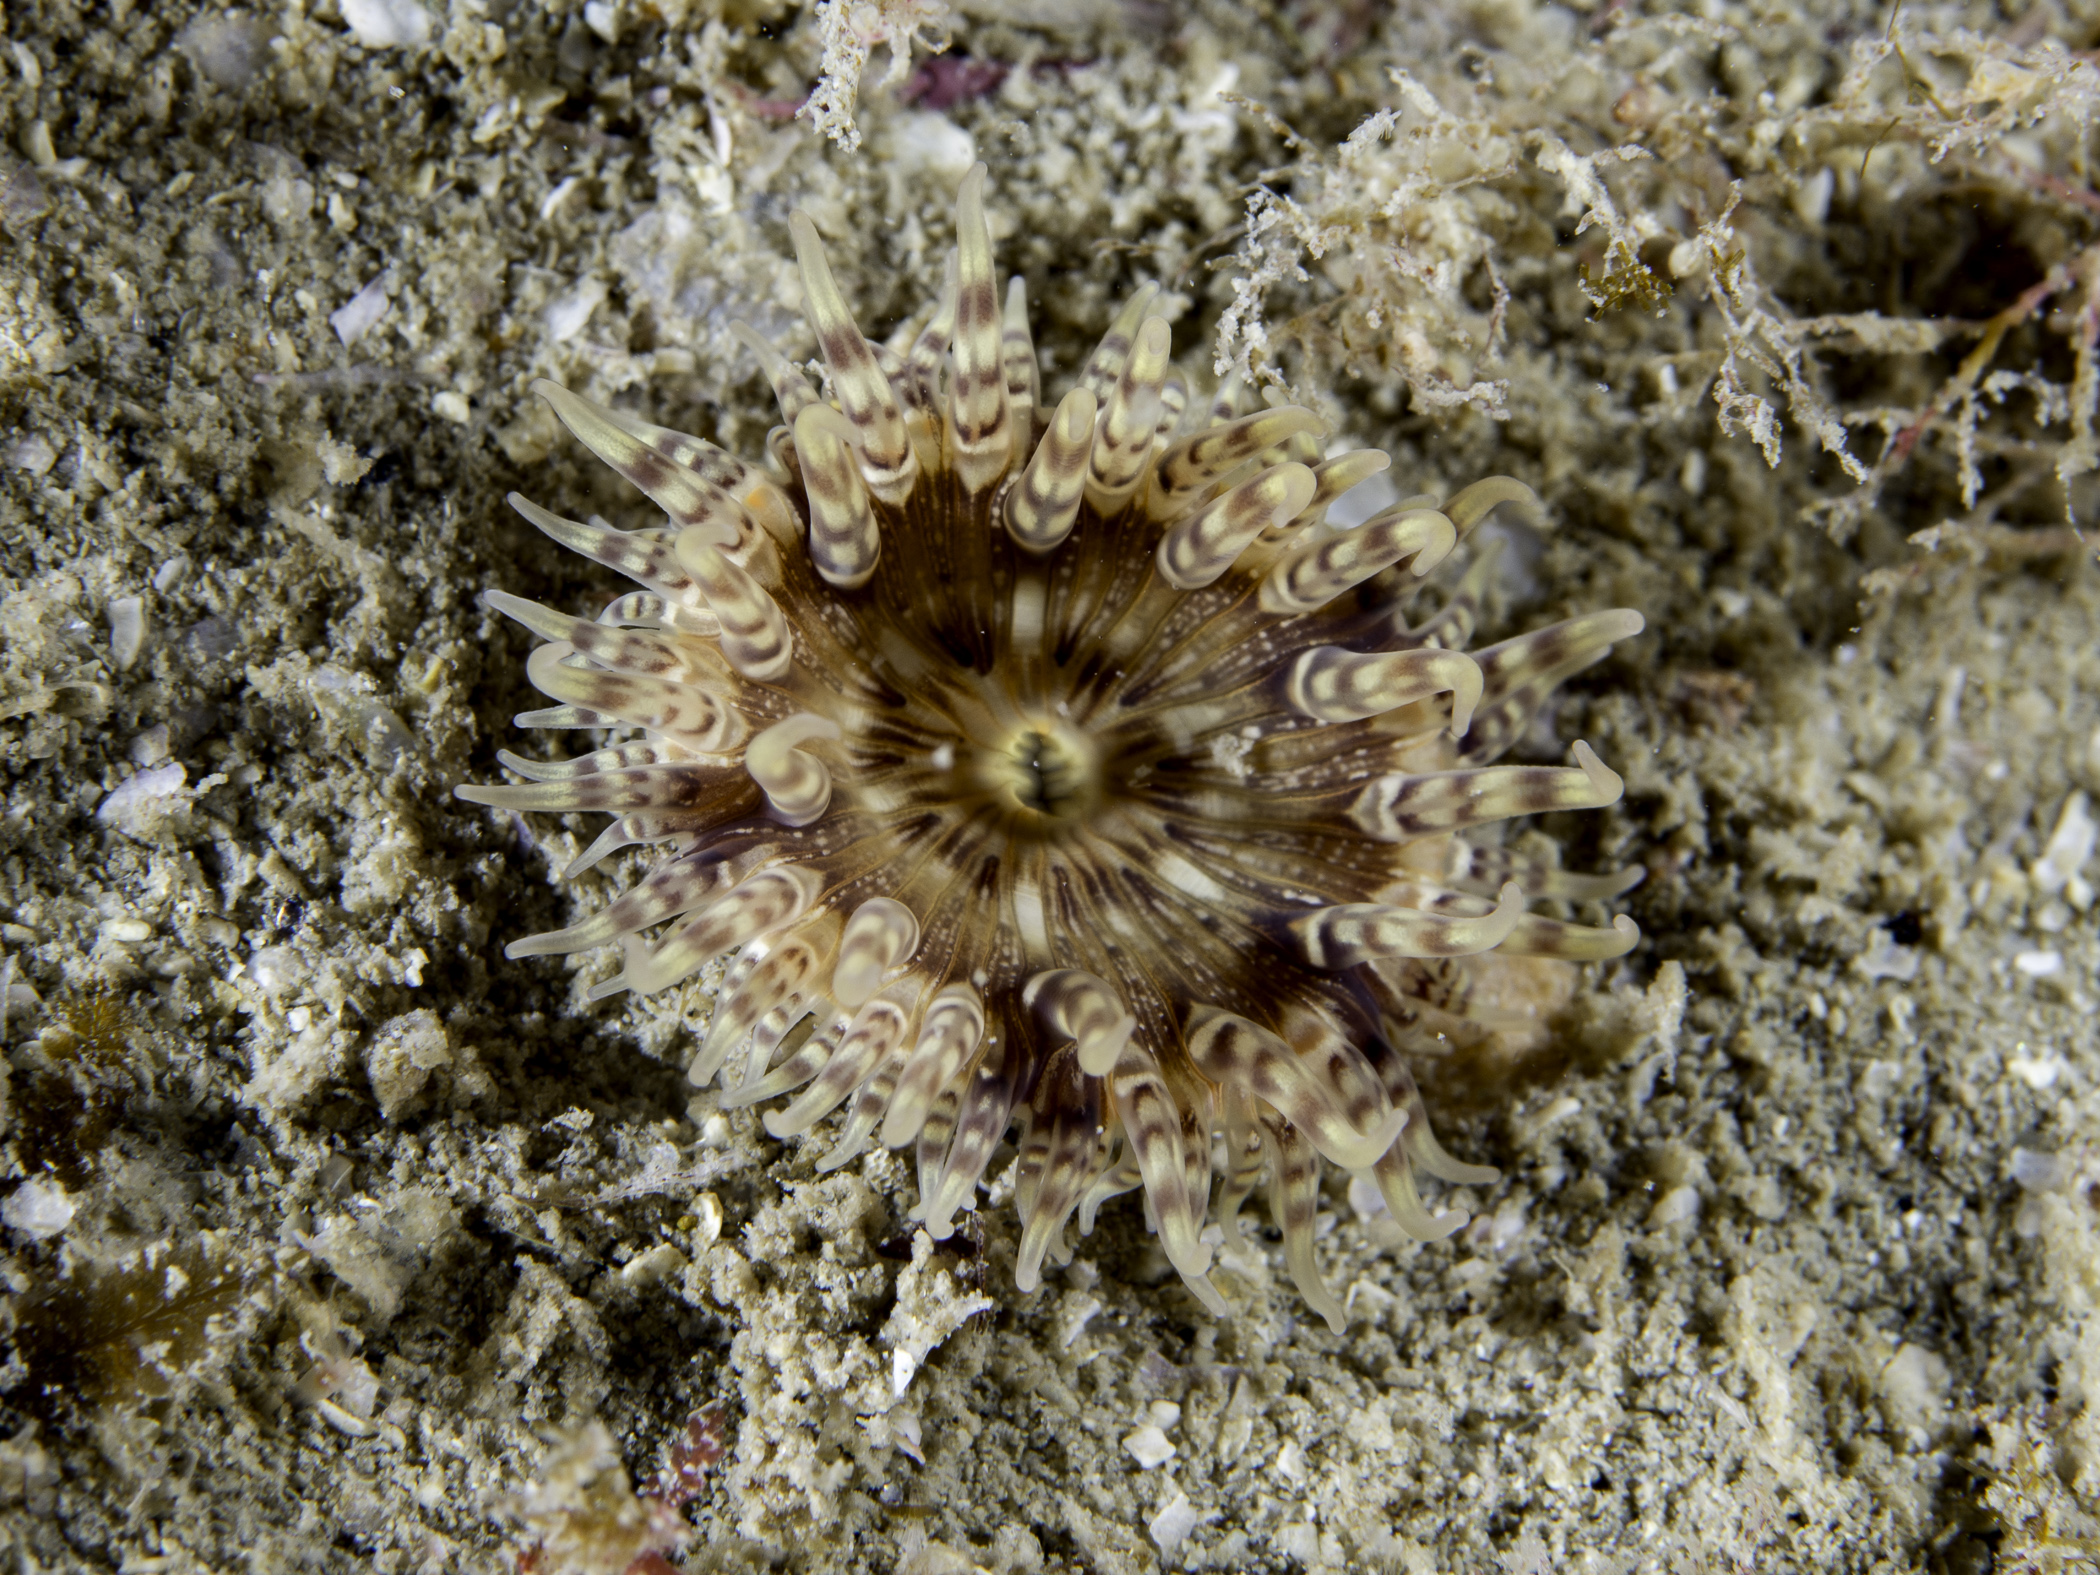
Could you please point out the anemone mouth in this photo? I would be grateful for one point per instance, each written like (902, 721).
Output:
(1057, 772)
(1050, 772)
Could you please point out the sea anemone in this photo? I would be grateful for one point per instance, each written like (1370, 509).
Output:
(1057, 770)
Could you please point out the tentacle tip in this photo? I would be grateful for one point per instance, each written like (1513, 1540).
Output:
(1299, 486)
(1100, 1051)
(1370, 1147)
(1437, 551)
(1465, 696)
(1509, 907)
(741, 1096)
(1310, 420)
(1463, 1175)
(1193, 1261)
(754, 341)
(1443, 1226)
(1610, 786)
(1207, 1294)
(707, 1061)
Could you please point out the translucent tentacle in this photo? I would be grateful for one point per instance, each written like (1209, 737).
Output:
(1042, 505)
(1152, 1127)
(769, 900)
(1105, 365)
(1017, 348)
(1197, 551)
(844, 542)
(755, 635)
(948, 1036)
(981, 424)
(650, 562)
(888, 461)
(1519, 674)
(691, 501)
(980, 1121)
(1060, 1145)
(1294, 1202)
(1330, 684)
(1403, 808)
(769, 972)
(1124, 435)
(1231, 1051)
(790, 387)
(876, 1029)
(1313, 574)
(1350, 933)
(1187, 467)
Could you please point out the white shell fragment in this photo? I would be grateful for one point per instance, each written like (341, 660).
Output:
(38, 1208)
(387, 24)
(131, 801)
(1149, 1447)
(1171, 1526)
(2060, 867)
(568, 312)
(127, 630)
(360, 314)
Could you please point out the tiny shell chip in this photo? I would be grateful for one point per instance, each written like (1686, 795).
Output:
(32, 452)
(361, 313)
(1173, 1523)
(127, 630)
(567, 314)
(387, 24)
(130, 805)
(38, 1209)
(1149, 1447)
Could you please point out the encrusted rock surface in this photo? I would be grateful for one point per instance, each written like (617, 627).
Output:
(333, 1241)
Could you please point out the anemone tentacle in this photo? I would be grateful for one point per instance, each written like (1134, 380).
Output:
(1054, 768)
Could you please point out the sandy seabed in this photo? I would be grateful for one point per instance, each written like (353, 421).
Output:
(334, 1241)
